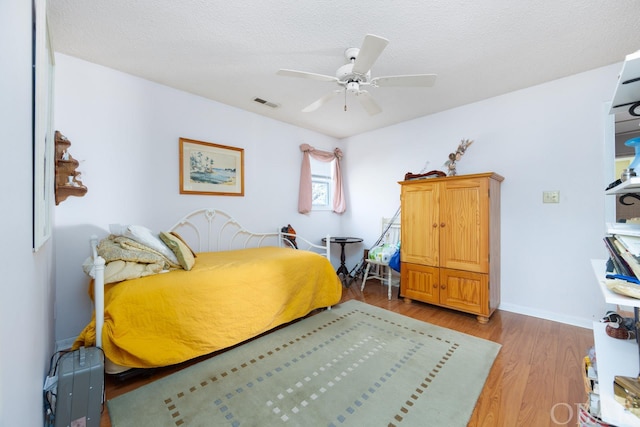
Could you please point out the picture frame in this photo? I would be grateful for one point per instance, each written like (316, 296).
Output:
(211, 169)
(43, 138)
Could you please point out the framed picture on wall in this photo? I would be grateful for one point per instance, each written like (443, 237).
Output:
(213, 169)
(43, 137)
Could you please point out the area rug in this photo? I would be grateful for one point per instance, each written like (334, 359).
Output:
(353, 365)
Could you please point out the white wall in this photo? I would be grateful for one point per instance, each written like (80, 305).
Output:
(548, 137)
(26, 284)
(125, 131)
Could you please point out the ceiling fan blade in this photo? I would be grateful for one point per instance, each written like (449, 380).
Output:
(372, 47)
(307, 75)
(320, 102)
(368, 103)
(409, 80)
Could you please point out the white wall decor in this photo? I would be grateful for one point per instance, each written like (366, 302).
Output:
(43, 144)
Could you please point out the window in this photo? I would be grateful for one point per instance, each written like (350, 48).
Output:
(325, 169)
(321, 185)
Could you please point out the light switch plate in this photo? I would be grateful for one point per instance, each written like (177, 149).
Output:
(550, 197)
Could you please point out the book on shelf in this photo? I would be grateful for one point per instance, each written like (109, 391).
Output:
(631, 260)
(620, 264)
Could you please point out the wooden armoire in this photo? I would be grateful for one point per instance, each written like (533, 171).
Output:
(450, 245)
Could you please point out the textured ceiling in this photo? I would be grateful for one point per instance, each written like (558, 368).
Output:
(230, 51)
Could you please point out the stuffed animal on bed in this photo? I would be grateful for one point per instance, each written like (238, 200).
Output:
(291, 235)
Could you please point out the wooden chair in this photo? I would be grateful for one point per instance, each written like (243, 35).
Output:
(379, 269)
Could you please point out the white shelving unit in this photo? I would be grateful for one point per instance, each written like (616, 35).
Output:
(613, 357)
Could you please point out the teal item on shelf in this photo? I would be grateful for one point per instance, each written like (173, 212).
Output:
(635, 143)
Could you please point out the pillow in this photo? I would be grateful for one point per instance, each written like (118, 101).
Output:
(181, 250)
(143, 235)
(173, 233)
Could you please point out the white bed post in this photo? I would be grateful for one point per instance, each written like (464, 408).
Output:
(98, 289)
(98, 296)
(329, 254)
(329, 247)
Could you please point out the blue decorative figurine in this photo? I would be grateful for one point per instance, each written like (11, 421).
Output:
(635, 143)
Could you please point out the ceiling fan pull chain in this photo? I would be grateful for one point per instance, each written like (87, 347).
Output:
(345, 99)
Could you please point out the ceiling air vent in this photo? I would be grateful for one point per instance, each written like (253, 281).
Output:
(265, 102)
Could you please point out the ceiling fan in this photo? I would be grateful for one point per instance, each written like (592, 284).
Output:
(356, 73)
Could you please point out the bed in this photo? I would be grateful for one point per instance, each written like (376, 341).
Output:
(238, 285)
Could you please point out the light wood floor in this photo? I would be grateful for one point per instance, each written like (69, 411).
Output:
(536, 379)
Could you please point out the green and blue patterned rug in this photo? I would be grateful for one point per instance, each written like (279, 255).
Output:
(354, 365)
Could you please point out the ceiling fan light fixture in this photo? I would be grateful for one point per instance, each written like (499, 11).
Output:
(353, 87)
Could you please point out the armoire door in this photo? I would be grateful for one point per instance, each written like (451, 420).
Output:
(464, 224)
(420, 224)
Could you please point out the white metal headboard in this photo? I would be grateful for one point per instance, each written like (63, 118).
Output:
(211, 230)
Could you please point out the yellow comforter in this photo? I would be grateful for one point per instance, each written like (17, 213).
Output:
(226, 298)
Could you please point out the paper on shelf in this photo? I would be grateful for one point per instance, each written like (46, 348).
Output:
(631, 243)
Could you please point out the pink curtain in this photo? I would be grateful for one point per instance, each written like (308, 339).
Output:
(304, 197)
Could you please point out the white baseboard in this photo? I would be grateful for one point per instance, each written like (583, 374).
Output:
(547, 315)
(64, 344)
